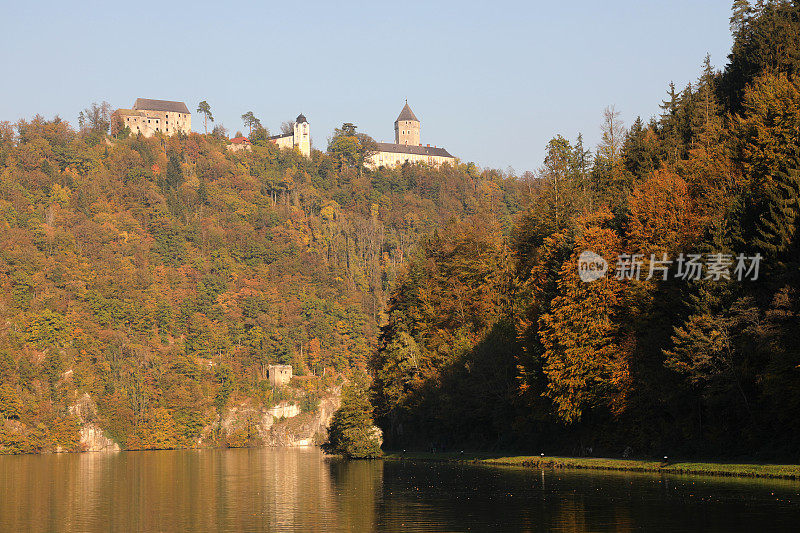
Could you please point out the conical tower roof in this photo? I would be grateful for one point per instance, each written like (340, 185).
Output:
(407, 114)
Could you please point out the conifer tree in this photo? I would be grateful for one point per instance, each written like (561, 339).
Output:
(770, 153)
(582, 158)
(706, 122)
(740, 15)
(640, 150)
(669, 125)
(204, 109)
(352, 432)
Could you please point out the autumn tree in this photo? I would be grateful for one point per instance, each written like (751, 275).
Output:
(96, 118)
(349, 148)
(770, 156)
(663, 216)
(10, 404)
(287, 127)
(584, 363)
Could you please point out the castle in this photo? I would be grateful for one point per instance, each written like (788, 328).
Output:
(149, 117)
(406, 147)
(299, 137)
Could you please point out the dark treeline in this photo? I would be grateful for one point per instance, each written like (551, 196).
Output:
(493, 341)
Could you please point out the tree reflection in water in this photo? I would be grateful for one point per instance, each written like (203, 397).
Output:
(300, 490)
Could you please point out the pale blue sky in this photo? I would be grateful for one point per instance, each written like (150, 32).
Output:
(490, 81)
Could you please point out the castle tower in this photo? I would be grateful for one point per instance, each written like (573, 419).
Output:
(406, 127)
(302, 135)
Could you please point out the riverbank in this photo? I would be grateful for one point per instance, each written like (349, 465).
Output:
(595, 463)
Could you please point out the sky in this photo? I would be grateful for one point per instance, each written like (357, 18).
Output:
(492, 82)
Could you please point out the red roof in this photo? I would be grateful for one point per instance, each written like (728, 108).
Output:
(240, 140)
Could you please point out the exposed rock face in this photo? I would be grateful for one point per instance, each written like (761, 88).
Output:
(245, 425)
(284, 410)
(85, 409)
(92, 437)
(280, 425)
(305, 429)
(94, 440)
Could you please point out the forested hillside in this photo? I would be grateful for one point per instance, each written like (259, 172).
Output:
(162, 276)
(493, 341)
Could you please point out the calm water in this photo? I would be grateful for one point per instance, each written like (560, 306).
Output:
(297, 490)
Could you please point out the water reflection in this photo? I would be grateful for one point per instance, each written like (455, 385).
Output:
(298, 490)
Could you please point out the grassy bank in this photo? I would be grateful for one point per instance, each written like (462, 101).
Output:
(632, 465)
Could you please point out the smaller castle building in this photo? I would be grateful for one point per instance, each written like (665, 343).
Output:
(149, 117)
(237, 144)
(299, 137)
(279, 375)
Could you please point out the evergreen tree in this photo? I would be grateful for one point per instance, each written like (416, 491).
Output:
(706, 122)
(251, 121)
(640, 150)
(582, 158)
(669, 126)
(204, 109)
(770, 155)
(766, 38)
(174, 173)
(740, 16)
(352, 432)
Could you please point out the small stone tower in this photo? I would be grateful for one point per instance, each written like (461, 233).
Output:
(406, 127)
(302, 135)
(279, 374)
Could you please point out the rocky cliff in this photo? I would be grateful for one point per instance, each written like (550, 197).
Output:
(284, 424)
(280, 425)
(92, 437)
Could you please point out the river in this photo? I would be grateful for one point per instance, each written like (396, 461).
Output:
(297, 489)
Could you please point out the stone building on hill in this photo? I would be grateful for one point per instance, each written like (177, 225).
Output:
(149, 117)
(237, 144)
(300, 137)
(279, 374)
(406, 146)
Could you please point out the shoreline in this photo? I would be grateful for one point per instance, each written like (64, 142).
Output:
(721, 469)
(716, 469)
